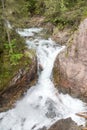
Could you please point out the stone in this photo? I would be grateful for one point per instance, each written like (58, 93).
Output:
(23, 80)
(70, 68)
(44, 128)
(51, 108)
(61, 36)
(65, 124)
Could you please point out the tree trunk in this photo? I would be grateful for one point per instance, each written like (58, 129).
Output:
(6, 26)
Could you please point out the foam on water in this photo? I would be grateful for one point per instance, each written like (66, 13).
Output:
(42, 105)
(28, 32)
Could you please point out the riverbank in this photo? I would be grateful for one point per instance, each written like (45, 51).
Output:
(70, 66)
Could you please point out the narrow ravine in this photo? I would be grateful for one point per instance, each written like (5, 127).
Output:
(42, 105)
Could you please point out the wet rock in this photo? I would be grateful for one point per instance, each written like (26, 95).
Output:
(25, 78)
(50, 104)
(70, 68)
(44, 128)
(33, 127)
(65, 124)
(51, 114)
(40, 67)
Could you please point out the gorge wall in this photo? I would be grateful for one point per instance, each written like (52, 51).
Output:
(70, 68)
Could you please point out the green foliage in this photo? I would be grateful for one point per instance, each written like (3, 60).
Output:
(52, 7)
(9, 62)
(56, 11)
(12, 43)
(62, 12)
(40, 7)
(12, 61)
(31, 5)
(14, 58)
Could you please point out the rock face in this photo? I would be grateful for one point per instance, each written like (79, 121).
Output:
(24, 79)
(65, 124)
(70, 68)
(62, 36)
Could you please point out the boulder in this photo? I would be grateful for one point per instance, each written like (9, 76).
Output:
(70, 68)
(61, 36)
(23, 80)
(65, 124)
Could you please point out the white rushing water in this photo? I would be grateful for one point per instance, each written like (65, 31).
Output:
(42, 105)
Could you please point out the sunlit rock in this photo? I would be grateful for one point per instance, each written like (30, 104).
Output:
(70, 68)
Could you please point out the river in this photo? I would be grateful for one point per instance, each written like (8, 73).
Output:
(42, 105)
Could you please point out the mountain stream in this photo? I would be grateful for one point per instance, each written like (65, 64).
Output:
(42, 105)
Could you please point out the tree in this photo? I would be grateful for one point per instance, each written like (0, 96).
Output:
(6, 26)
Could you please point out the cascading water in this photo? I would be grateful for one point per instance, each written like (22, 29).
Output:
(42, 105)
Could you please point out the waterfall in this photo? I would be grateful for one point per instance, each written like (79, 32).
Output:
(42, 105)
